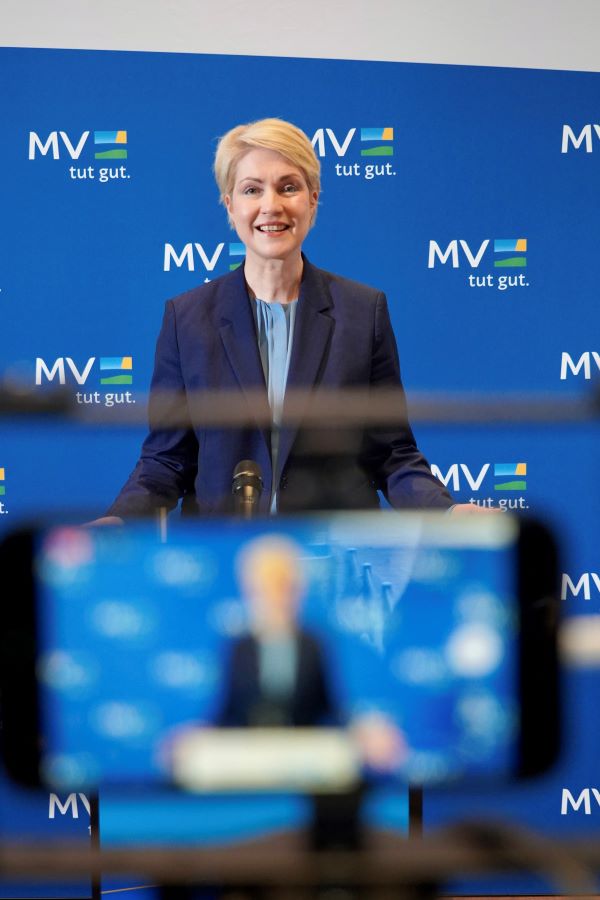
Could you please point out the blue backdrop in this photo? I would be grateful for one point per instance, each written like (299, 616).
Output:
(469, 195)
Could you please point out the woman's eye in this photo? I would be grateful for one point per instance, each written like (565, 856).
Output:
(290, 188)
(250, 190)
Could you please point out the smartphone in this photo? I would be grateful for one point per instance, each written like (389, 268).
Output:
(304, 653)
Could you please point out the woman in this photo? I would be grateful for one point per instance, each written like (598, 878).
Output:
(275, 323)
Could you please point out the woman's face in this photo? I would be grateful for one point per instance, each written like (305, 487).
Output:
(270, 205)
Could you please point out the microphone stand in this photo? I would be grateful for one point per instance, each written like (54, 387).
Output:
(246, 487)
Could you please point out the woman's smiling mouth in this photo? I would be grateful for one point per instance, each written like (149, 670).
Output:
(272, 229)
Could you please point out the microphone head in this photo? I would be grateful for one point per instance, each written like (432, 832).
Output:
(247, 473)
(248, 468)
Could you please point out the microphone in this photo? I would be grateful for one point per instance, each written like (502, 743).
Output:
(246, 487)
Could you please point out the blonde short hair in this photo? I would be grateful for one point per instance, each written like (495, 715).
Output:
(270, 556)
(271, 134)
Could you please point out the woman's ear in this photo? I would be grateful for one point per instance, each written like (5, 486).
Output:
(228, 207)
(314, 203)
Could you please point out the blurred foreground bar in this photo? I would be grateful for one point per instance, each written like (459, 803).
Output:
(322, 408)
(473, 849)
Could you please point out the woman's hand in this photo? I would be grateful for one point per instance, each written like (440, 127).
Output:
(104, 520)
(465, 509)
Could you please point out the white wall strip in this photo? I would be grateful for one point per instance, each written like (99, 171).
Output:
(561, 34)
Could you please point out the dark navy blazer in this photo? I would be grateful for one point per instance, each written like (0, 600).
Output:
(343, 339)
(244, 703)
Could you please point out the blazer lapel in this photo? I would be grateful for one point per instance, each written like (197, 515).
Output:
(238, 334)
(312, 334)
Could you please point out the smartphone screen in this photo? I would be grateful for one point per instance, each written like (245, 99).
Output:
(391, 643)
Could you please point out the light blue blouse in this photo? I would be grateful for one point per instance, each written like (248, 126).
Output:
(278, 661)
(275, 331)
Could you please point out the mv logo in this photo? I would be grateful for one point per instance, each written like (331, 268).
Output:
(437, 254)
(113, 369)
(584, 800)
(324, 136)
(59, 141)
(585, 138)
(507, 476)
(504, 253)
(374, 141)
(193, 253)
(71, 803)
(569, 588)
(453, 476)
(584, 364)
(52, 144)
